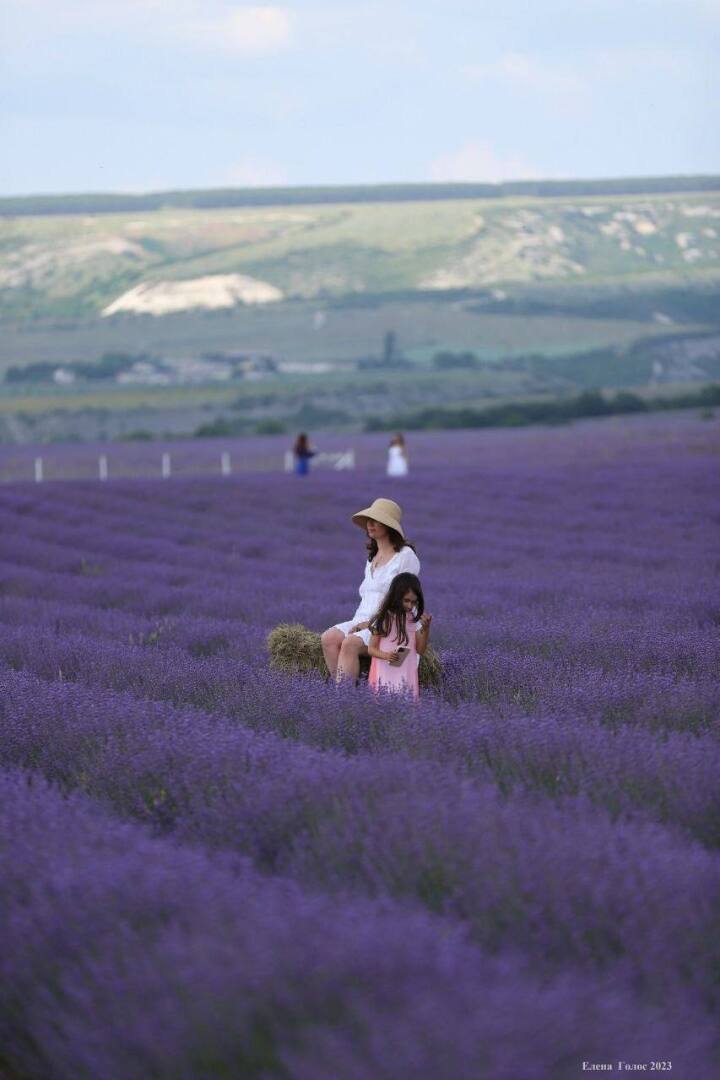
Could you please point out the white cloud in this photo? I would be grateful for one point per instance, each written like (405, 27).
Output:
(572, 87)
(526, 72)
(243, 30)
(479, 162)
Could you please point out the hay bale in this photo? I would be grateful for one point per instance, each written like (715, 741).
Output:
(297, 651)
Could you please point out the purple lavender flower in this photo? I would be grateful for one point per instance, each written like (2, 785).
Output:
(212, 869)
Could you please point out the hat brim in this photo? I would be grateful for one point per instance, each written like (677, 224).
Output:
(361, 519)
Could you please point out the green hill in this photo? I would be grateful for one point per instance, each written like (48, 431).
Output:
(79, 266)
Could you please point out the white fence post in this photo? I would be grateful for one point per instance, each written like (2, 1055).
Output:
(343, 459)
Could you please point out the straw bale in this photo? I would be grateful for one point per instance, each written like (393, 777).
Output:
(295, 649)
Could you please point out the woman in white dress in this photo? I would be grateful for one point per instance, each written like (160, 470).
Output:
(389, 553)
(397, 462)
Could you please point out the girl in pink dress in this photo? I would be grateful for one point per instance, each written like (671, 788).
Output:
(399, 636)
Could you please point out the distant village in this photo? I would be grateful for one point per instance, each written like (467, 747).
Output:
(146, 370)
(681, 358)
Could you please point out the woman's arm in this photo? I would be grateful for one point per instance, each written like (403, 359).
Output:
(422, 636)
(375, 650)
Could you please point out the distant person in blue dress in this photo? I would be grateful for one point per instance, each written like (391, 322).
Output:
(303, 453)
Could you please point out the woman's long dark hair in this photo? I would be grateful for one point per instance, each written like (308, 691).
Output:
(397, 541)
(392, 613)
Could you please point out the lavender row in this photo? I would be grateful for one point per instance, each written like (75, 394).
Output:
(682, 666)
(199, 636)
(170, 674)
(551, 880)
(676, 645)
(219, 971)
(143, 595)
(182, 547)
(672, 780)
(682, 695)
(69, 550)
(535, 578)
(521, 556)
(658, 701)
(502, 509)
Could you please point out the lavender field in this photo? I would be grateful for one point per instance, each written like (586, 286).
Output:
(210, 869)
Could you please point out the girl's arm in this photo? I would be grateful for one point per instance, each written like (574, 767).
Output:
(360, 626)
(375, 650)
(422, 636)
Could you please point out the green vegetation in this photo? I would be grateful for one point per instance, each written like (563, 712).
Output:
(104, 203)
(424, 325)
(270, 427)
(376, 303)
(107, 367)
(643, 300)
(220, 429)
(589, 403)
(495, 251)
(138, 436)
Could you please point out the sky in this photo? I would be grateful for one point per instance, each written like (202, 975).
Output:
(148, 95)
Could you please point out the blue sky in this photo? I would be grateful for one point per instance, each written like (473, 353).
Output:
(138, 95)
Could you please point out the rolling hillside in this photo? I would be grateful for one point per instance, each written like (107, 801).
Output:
(554, 290)
(159, 261)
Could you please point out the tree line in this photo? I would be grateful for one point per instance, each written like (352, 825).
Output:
(589, 403)
(219, 198)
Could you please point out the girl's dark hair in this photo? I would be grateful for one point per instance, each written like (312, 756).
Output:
(397, 541)
(301, 443)
(392, 611)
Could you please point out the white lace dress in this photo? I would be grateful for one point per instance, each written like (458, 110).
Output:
(375, 585)
(397, 464)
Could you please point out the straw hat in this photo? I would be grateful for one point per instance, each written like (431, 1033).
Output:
(385, 511)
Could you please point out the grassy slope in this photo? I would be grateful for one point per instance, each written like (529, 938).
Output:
(74, 265)
(422, 327)
(551, 276)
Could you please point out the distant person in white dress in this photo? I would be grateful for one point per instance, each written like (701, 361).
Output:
(397, 462)
(389, 554)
